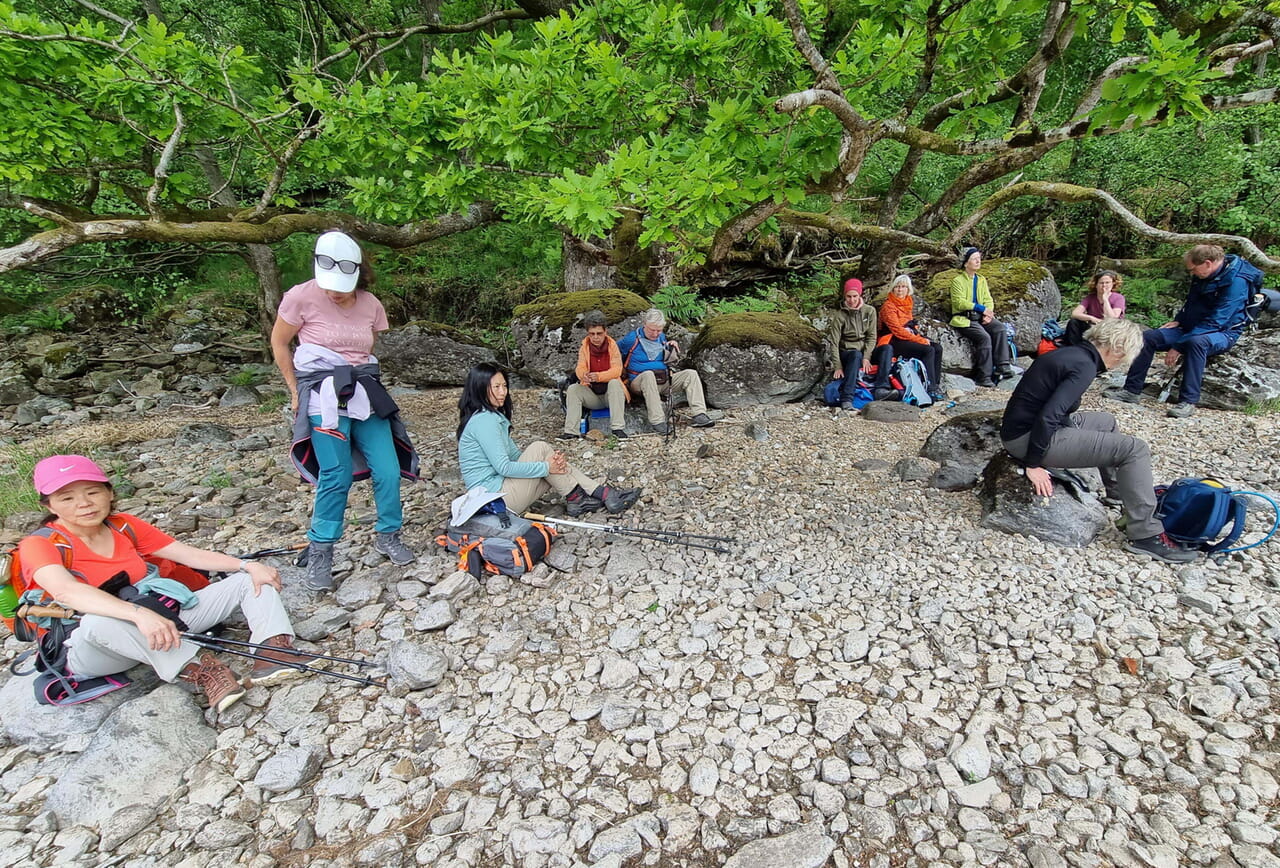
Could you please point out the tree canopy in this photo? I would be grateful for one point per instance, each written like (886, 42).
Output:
(693, 130)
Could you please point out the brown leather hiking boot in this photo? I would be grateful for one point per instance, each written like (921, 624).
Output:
(274, 666)
(215, 680)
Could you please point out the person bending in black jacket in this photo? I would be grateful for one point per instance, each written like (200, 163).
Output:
(1043, 428)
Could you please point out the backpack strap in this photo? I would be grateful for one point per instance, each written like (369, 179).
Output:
(1239, 511)
(119, 525)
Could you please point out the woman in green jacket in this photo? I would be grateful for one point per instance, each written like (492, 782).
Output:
(973, 316)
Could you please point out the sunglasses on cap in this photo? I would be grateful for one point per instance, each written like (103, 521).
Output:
(346, 266)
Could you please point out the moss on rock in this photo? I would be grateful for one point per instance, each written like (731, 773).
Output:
(1007, 278)
(783, 331)
(561, 310)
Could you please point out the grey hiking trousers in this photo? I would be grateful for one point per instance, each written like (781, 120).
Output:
(104, 646)
(1094, 440)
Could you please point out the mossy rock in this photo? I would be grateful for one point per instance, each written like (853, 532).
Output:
(1007, 278)
(782, 331)
(561, 310)
(746, 359)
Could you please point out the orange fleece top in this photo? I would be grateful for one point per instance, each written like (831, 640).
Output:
(584, 362)
(895, 313)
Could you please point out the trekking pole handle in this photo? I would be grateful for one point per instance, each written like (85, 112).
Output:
(27, 610)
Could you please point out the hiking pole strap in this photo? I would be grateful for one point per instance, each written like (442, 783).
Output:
(222, 640)
(207, 642)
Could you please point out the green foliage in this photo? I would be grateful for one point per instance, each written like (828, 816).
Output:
(16, 493)
(1262, 408)
(1152, 300)
(762, 299)
(38, 319)
(218, 479)
(245, 377)
(679, 303)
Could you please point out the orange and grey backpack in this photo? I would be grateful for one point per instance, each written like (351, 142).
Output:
(500, 543)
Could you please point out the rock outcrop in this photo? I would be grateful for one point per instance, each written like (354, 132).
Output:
(430, 354)
(757, 358)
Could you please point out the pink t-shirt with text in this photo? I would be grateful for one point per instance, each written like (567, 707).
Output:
(348, 331)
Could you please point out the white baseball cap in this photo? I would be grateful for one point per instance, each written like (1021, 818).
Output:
(337, 247)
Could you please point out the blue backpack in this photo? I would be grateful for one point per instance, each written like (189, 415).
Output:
(861, 394)
(1196, 511)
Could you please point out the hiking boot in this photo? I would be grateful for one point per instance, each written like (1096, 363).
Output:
(1181, 411)
(1008, 372)
(390, 545)
(273, 667)
(567, 435)
(847, 405)
(1162, 548)
(886, 394)
(319, 575)
(215, 680)
(616, 499)
(619, 433)
(702, 420)
(986, 383)
(578, 502)
(663, 428)
(1124, 396)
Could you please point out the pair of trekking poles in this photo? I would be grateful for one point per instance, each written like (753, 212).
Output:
(671, 537)
(237, 647)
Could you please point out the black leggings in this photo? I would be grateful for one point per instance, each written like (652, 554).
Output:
(930, 354)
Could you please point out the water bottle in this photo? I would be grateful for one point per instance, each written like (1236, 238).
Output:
(8, 599)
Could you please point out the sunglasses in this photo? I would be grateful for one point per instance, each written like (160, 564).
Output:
(346, 266)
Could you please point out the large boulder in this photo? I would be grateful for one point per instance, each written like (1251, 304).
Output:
(203, 319)
(14, 385)
(48, 727)
(1248, 375)
(1009, 504)
(1025, 294)
(430, 354)
(962, 446)
(548, 331)
(757, 358)
(137, 757)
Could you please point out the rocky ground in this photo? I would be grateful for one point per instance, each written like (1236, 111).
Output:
(870, 679)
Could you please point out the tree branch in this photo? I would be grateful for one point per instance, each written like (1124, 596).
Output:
(161, 172)
(866, 231)
(1131, 221)
(45, 244)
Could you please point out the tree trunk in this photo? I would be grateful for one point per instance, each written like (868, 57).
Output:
(260, 257)
(582, 265)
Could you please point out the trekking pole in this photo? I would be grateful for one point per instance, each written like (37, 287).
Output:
(298, 651)
(692, 540)
(215, 645)
(55, 610)
(1167, 389)
(267, 553)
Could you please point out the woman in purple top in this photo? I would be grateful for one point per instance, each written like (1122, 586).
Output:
(1104, 301)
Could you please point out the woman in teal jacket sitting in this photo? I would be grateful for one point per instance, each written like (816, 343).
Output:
(490, 459)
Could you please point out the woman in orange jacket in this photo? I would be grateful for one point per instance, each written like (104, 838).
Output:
(899, 332)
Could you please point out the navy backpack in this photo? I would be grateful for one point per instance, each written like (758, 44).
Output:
(1196, 512)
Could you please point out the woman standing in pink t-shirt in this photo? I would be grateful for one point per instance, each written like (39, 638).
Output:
(346, 426)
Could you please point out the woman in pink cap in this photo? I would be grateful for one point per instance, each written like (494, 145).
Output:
(84, 545)
(851, 337)
(346, 426)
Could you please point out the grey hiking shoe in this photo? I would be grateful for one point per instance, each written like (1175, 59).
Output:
(661, 428)
(319, 575)
(1122, 395)
(1181, 411)
(390, 545)
(578, 502)
(702, 420)
(1162, 548)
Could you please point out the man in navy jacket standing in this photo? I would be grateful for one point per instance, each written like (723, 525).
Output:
(1209, 323)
